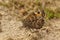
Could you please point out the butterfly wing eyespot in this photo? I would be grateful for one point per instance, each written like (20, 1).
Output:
(38, 14)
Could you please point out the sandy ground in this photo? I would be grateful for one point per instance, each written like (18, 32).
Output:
(11, 29)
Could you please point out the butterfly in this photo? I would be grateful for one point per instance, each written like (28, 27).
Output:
(35, 20)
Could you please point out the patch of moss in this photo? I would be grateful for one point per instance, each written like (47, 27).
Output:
(49, 14)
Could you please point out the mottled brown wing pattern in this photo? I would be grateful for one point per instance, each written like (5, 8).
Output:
(34, 20)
